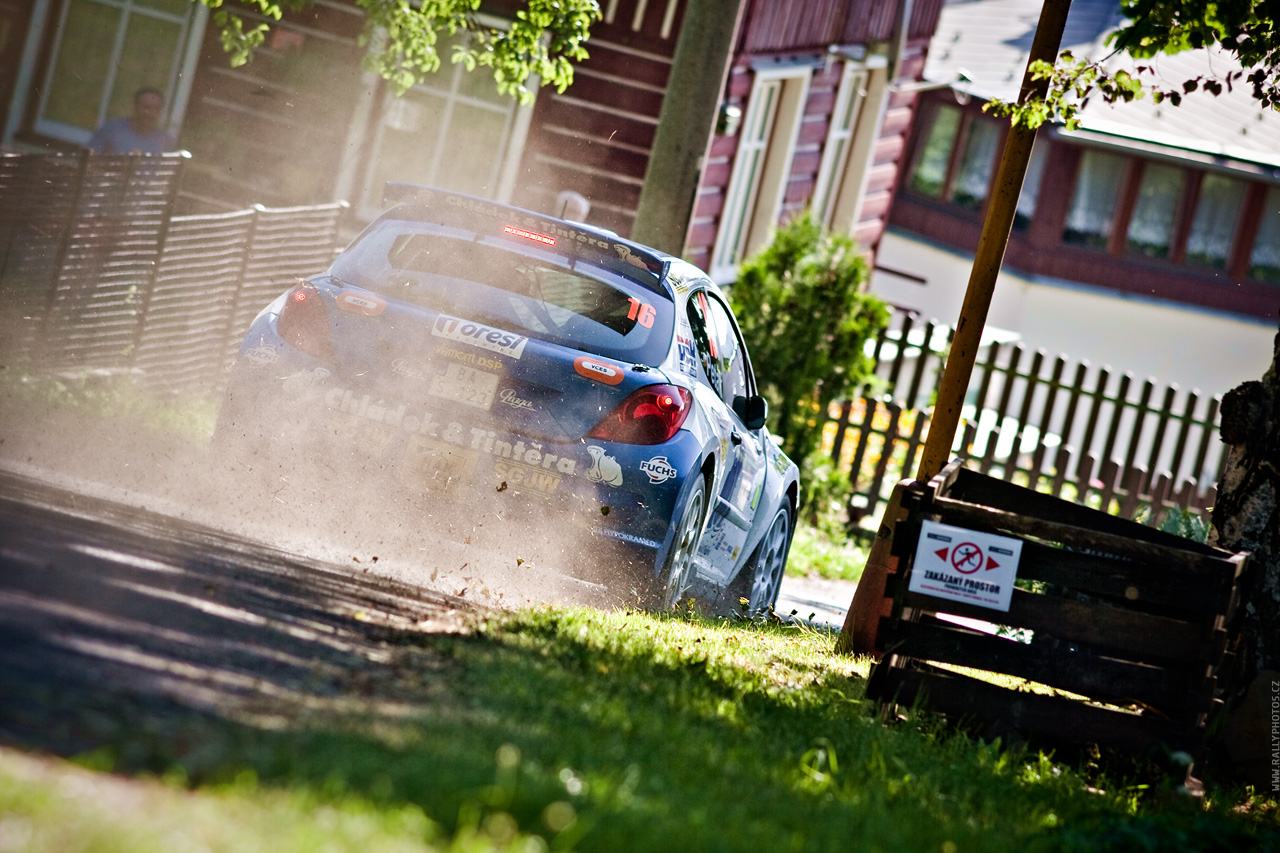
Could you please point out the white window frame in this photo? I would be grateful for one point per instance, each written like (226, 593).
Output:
(850, 99)
(762, 166)
(843, 205)
(177, 85)
(354, 179)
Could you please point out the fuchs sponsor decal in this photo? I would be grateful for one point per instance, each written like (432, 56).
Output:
(600, 371)
(604, 468)
(401, 417)
(658, 469)
(509, 397)
(361, 302)
(261, 355)
(479, 335)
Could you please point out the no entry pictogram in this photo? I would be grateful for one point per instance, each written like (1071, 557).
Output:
(967, 557)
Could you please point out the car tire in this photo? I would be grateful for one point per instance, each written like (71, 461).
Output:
(761, 579)
(678, 571)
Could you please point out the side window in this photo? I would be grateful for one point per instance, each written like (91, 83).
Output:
(721, 353)
(704, 340)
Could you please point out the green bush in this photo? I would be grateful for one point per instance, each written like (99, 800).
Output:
(806, 316)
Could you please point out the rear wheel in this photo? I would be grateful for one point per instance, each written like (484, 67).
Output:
(677, 574)
(768, 564)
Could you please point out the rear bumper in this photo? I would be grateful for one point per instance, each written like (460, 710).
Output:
(610, 501)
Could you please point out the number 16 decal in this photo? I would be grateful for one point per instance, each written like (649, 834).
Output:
(641, 312)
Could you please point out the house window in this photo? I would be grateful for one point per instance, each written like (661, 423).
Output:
(103, 52)
(835, 154)
(1264, 262)
(452, 131)
(1213, 227)
(1030, 188)
(1156, 210)
(762, 165)
(929, 177)
(973, 174)
(960, 176)
(1092, 212)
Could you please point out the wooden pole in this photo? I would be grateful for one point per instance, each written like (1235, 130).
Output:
(687, 123)
(859, 632)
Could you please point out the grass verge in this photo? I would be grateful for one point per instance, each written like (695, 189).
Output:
(559, 729)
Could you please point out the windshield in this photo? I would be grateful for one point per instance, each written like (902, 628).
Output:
(511, 285)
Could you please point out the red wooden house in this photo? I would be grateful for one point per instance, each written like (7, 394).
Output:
(815, 108)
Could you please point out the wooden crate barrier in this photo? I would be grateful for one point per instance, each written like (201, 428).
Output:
(1131, 621)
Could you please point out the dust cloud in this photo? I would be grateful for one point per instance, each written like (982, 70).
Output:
(493, 550)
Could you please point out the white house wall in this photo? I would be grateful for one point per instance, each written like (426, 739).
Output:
(1193, 348)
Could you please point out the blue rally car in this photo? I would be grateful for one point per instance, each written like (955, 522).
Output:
(467, 354)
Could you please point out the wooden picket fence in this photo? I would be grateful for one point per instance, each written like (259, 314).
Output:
(97, 276)
(1107, 440)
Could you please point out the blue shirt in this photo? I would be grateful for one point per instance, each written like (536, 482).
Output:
(117, 136)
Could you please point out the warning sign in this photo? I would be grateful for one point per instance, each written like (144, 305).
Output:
(965, 566)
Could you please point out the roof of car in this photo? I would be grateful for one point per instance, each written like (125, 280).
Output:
(435, 205)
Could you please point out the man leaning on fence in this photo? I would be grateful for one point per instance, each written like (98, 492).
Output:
(140, 133)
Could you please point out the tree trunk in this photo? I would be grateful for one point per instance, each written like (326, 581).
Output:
(1246, 516)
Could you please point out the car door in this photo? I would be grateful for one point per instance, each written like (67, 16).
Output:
(726, 373)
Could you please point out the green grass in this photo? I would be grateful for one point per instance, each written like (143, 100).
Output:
(816, 552)
(557, 729)
(106, 397)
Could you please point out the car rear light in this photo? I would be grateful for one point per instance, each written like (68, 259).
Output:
(651, 415)
(304, 323)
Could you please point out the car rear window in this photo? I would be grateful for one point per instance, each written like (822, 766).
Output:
(514, 285)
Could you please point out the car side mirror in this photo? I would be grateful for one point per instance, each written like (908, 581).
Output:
(752, 410)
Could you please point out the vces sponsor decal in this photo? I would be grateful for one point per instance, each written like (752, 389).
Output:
(479, 335)
(369, 304)
(600, 371)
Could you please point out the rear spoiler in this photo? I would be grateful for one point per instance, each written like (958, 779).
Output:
(445, 207)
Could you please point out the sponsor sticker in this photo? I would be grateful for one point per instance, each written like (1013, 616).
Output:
(361, 302)
(658, 469)
(509, 397)
(518, 475)
(604, 468)
(261, 355)
(479, 335)
(600, 371)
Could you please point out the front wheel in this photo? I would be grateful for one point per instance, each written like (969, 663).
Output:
(677, 574)
(768, 564)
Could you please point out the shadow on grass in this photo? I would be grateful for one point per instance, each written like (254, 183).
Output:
(130, 649)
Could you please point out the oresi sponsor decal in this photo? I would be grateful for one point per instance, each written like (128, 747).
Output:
(479, 335)
(361, 302)
(600, 371)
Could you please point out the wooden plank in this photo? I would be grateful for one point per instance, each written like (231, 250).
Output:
(1137, 637)
(1041, 717)
(975, 488)
(1029, 386)
(1181, 693)
(1002, 408)
(1196, 596)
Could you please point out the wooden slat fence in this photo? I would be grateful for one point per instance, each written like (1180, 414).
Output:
(97, 274)
(1130, 447)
